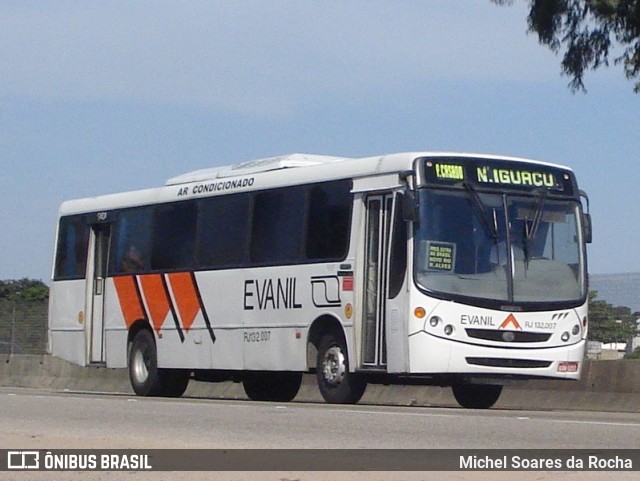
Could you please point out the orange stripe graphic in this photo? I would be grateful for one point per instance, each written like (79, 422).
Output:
(186, 297)
(129, 300)
(156, 298)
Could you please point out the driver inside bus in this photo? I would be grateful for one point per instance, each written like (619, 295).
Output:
(132, 260)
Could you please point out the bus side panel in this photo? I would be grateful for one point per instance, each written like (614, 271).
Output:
(253, 319)
(192, 350)
(263, 315)
(115, 329)
(174, 314)
(277, 309)
(116, 347)
(221, 293)
(66, 320)
(274, 349)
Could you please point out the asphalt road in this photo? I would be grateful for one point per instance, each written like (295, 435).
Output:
(37, 419)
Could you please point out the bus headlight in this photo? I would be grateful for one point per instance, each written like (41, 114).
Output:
(565, 336)
(434, 321)
(576, 330)
(448, 329)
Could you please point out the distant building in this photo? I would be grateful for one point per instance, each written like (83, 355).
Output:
(606, 352)
(634, 342)
(614, 350)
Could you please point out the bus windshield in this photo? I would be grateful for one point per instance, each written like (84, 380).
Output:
(493, 248)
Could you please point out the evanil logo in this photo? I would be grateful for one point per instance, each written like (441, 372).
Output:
(510, 321)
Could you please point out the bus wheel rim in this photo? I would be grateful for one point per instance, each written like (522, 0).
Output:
(334, 366)
(140, 366)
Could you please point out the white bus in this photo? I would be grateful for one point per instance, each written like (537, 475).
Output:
(450, 269)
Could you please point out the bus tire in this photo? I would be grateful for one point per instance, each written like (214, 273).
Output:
(336, 383)
(146, 378)
(476, 396)
(174, 381)
(276, 386)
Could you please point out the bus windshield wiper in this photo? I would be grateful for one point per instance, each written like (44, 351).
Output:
(489, 227)
(537, 216)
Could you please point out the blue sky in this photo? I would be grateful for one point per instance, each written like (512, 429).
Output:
(102, 97)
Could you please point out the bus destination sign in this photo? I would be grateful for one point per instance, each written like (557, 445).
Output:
(496, 173)
(523, 177)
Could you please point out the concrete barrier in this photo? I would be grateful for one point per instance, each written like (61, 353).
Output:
(605, 386)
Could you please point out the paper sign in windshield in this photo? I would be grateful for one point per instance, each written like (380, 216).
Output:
(441, 256)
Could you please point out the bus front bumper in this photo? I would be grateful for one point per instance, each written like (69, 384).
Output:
(433, 355)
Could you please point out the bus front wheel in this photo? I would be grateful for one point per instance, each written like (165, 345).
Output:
(476, 396)
(336, 383)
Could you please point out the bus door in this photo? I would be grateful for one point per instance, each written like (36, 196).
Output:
(96, 284)
(377, 229)
(384, 341)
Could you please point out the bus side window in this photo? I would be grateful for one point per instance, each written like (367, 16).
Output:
(71, 252)
(130, 244)
(174, 236)
(398, 252)
(132, 260)
(278, 222)
(223, 231)
(329, 221)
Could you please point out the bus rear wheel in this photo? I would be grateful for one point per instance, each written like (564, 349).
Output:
(146, 379)
(336, 383)
(143, 365)
(174, 382)
(277, 386)
(476, 396)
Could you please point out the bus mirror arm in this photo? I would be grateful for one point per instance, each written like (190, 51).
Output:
(587, 231)
(409, 201)
(586, 228)
(405, 174)
(409, 206)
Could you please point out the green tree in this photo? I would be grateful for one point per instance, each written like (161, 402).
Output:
(23, 290)
(608, 323)
(585, 31)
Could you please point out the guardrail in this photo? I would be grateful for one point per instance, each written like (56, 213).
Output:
(612, 386)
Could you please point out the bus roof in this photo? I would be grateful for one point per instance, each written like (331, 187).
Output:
(253, 167)
(274, 172)
(307, 160)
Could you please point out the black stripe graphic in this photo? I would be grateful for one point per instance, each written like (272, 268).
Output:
(202, 308)
(139, 296)
(172, 307)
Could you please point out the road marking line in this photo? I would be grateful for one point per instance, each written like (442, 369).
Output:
(597, 423)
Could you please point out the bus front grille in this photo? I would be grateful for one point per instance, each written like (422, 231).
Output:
(503, 362)
(508, 336)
